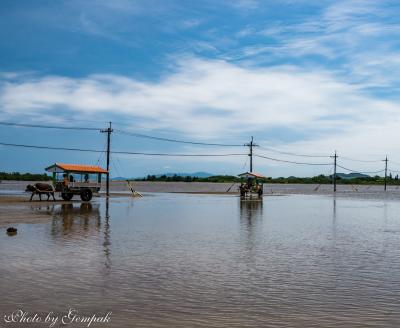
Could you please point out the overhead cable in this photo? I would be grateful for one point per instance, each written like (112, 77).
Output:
(292, 154)
(120, 152)
(292, 162)
(350, 170)
(49, 126)
(360, 160)
(139, 135)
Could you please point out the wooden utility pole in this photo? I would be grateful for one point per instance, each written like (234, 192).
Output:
(386, 161)
(334, 171)
(251, 145)
(108, 131)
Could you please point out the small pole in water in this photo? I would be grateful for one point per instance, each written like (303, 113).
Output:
(334, 172)
(108, 131)
(386, 161)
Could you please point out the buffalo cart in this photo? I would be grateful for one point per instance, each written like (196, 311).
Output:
(251, 184)
(74, 179)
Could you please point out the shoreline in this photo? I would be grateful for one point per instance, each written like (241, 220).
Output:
(15, 207)
(13, 191)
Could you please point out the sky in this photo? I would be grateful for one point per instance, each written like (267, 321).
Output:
(302, 77)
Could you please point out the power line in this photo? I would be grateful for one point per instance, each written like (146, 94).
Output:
(48, 126)
(292, 154)
(360, 160)
(292, 162)
(178, 155)
(350, 170)
(139, 135)
(120, 152)
(101, 155)
(51, 148)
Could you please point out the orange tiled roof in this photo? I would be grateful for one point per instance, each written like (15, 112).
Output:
(81, 168)
(254, 174)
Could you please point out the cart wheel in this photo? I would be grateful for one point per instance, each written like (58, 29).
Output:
(86, 195)
(66, 196)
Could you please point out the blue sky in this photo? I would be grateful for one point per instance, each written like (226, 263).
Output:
(308, 77)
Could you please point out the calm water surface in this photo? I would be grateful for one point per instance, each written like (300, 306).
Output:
(209, 261)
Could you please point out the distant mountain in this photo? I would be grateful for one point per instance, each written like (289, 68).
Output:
(352, 175)
(120, 178)
(195, 174)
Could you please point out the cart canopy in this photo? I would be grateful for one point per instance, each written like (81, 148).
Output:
(76, 168)
(251, 175)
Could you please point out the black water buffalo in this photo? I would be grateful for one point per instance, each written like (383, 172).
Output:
(39, 189)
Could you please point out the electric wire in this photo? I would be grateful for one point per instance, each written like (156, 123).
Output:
(50, 147)
(101, 154)
(360, 160)
(350, 170)
(292, 154)
(175, 141)
(292, 162)
(139, 135)
(120, 152)
(49, 126)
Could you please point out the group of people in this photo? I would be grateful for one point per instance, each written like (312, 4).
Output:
(250, 186)
(70, 178)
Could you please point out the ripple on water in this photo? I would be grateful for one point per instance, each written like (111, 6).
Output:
(211, 261)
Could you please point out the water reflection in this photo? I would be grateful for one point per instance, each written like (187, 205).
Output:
(43, 209)
(334, 220)
(69, 220)
(107, 239)
(251, 211)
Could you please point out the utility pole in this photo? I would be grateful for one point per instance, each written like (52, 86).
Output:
(251, 145)
(386, 161)
(108, 131)
(334, 171)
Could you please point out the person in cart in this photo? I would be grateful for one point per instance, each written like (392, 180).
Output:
(70, 185)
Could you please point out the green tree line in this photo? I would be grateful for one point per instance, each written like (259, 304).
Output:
(319, 179)
(24, 176)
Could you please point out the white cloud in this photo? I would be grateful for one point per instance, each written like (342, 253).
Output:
(210, 99)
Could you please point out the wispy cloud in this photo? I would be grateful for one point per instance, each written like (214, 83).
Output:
(245, 4)
(349, 37)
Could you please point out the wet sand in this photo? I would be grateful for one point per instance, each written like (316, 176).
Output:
(15, 206)
(17, 209)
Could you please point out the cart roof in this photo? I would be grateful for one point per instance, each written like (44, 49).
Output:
(251, 175)
(61, 167)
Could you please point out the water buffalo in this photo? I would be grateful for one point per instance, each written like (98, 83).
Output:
(39, 189)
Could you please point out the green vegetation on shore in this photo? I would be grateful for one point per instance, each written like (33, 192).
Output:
(24, 176)
(319, 179)
(179, 178)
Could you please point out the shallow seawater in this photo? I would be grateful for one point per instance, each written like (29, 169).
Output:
(175, 260)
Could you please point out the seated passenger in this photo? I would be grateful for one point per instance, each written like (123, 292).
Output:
(66, 180)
